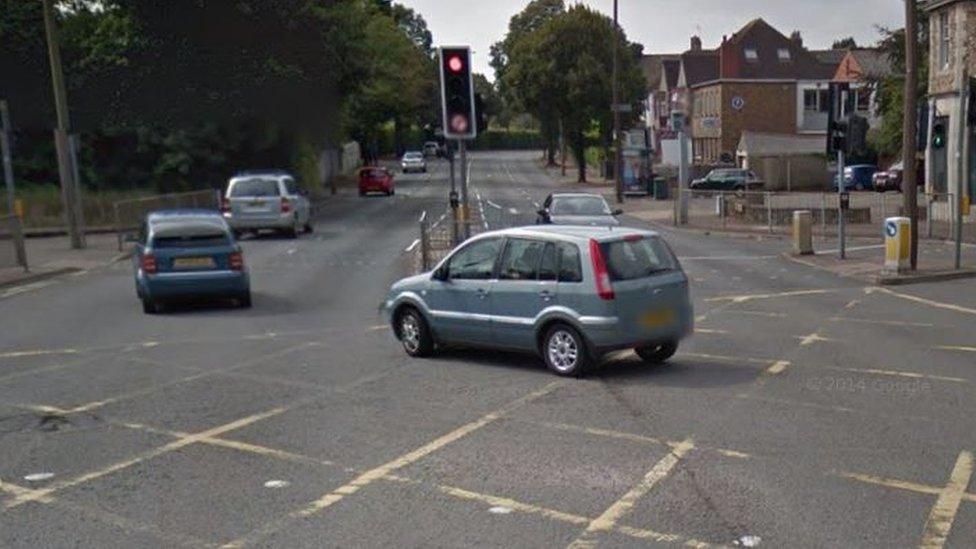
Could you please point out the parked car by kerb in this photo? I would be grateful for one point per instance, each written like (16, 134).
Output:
(728, 180)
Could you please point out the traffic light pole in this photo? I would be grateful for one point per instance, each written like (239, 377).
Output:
(963, 107)
(8, 171)
(462, 149)
(841, 225)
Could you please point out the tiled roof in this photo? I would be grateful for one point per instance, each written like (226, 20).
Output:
(700, 66)
(653, 67)
(874, 63)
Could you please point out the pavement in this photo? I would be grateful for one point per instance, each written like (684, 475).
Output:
(808, 409)
(52, 256)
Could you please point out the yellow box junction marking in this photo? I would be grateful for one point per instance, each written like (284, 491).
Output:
(778, 367)
(612, 515)
(753, 297)
(944, 511)
(368, 477)
(922, 300)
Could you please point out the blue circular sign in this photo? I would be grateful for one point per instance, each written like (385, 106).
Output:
(891, 229)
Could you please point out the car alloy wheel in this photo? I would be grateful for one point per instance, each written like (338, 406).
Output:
(563, 351)
(410, 333)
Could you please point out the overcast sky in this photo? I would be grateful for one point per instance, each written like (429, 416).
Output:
(665, 26)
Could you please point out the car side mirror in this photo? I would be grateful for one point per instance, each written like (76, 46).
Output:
(543, 212)
(440, 274)
(618, 211)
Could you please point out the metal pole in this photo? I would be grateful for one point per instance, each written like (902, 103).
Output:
(683, 180)
(64, 126)
(424, 252)
(841, 244)
(769, 212)
(909, 145)
(618, 154)
(960, 152)
(465, 212)
(8, 169)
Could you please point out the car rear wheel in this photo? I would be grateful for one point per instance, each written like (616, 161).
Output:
(149, 306)
(564, 351)
(656, 354)
(414, 333)
(244, 301)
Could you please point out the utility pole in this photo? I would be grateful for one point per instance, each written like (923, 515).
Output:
(69, 188)
(8, 170)
(618, 156)
(908, 143)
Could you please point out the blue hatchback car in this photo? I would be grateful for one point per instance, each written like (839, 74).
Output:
(188, 254)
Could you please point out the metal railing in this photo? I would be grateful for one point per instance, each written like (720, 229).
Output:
(13, 252)
(441, 235)
(772, 211)
(130, 213)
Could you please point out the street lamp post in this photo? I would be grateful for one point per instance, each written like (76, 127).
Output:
(618, 155)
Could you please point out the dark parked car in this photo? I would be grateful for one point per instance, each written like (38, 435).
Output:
(858, 177)
(891, 179)
(727, 180)
(577, 209)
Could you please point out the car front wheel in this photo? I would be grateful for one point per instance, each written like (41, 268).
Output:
(564, 351)
(656, 354)
(149, 306)
(414, 334)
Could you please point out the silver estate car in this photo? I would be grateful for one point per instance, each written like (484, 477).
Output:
(269, 200)
(413, 161)
(569, 293)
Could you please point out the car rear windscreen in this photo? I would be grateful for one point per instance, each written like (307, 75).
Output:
(193, 241)
(579, 205)
(255, 187)
(637, 258)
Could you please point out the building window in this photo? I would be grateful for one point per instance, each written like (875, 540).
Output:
(752, 54)
(862, 97)
(945, 39)
(783, 54)
(811, 100)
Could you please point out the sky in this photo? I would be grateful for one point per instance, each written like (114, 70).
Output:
(665, 26)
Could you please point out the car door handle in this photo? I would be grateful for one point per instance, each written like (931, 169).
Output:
(482, 293)
(546, 295)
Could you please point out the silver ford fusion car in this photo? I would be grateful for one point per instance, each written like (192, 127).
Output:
(569, 293)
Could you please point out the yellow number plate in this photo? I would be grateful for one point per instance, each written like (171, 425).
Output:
(193, 263)
(657, 319)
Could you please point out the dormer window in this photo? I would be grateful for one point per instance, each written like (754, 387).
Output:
(783, 54)
(752, 54)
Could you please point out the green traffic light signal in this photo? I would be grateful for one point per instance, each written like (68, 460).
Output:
(938, 136)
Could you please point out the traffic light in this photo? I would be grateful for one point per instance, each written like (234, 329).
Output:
(856, 135)
(939, 134)
(457, 93)
(836, 125)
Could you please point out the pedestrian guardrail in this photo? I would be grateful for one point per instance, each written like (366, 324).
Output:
(772, 211)
(13, 252)
(130, 213)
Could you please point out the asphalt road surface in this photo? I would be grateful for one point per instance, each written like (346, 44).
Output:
(807, 410)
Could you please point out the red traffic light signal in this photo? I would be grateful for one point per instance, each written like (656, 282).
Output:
(455, 64)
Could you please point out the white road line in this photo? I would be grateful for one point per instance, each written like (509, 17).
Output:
(726, 257)
(492, 204)
(412, 245)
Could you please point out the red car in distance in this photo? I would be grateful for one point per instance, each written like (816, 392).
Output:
(375, 179)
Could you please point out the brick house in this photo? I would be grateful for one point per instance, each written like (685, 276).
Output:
(761, 81)
(952, 61)
(863, 68)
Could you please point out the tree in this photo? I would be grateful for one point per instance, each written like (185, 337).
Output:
(844, 44)
(562, 73)
(415, 27)
(891, 90)
(489, 94)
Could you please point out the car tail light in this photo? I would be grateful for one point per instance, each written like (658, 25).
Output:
(224, 205)
(600, 273)
(148, 264)
(236, 261)
(285, 205)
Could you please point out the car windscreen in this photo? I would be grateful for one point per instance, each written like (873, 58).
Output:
(373, 174)
(579, 205)
(413, 156)
(191, 241)
(632, 258)
(255, 187)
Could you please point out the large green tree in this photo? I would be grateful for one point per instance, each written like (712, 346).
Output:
(562, 73)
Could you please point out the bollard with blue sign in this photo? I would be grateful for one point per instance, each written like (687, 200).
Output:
(898, 236)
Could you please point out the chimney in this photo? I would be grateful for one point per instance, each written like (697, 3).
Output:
(696, 44)
(797, 39)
